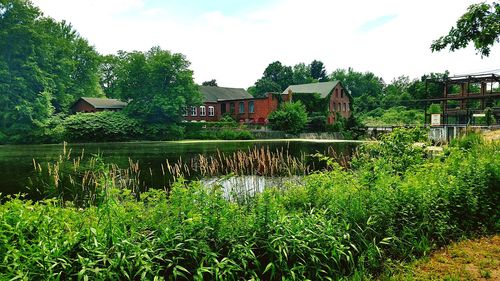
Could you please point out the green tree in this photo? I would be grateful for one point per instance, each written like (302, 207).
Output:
(365, 88)
(318, 71)
(276, 78)
(158, 84)
(41, 60)
(291, 117)
(212, 83)
(480, 24)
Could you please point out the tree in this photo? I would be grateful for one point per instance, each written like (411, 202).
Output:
(318, 71)
(212, 83)
(365, 88)
(276, 78)
(158, 84)
(291, 117)
(480, 24)
(302, 74)
(44, 67)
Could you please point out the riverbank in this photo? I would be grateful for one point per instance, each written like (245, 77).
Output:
(393, 204)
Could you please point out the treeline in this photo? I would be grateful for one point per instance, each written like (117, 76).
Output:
(372, 96)
(45, 66)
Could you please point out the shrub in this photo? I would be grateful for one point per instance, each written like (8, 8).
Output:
(101, 126)
(291, 117)
(335, 224)
(163, 132)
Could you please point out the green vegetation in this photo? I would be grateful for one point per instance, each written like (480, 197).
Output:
(398, 115)
(290, 117)
(480, 25)
(394, 203)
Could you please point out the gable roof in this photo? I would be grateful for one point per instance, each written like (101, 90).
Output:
(322, 88)
(105, 103)
(214, 94)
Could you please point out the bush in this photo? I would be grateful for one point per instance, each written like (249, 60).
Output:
(335, 224)
(101, 126)
(162, 132)
(291, 117)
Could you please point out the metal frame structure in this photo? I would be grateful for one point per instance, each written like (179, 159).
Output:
(465, 99)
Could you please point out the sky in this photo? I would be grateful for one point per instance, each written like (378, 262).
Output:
(233, 41)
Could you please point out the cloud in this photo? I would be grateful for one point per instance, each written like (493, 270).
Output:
(234, 47)
(376, 23)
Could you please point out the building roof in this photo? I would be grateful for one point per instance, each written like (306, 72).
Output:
(105, 103)
(214, 94)
(322, 88)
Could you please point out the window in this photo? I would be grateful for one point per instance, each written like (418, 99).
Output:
(340, 107)
(203, 111)
(342, 93)
(222, 108)
(334, 107)
(193, 111)
(185, 111)
(231, 107)
(343, 108)
(251, 106)
(211, 111)
(242, 107)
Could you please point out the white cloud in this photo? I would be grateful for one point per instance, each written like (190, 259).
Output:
(236, 49)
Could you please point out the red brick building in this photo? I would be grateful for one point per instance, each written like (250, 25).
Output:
(236, 102)
(96, 105)
(337, 99)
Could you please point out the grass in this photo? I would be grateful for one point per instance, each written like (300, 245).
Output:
(475, 259)
(393, 204)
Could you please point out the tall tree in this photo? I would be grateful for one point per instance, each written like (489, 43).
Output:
(318, 71)
(480, 24)
(158, 84)
(40, 60)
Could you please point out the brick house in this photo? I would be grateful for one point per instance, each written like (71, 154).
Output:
(337, 99)
(96, 104)
(236, 102)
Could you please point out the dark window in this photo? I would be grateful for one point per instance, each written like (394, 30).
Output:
(251, 108)
(342, 93)
(231, 107)
(242, 107)
(222, 108)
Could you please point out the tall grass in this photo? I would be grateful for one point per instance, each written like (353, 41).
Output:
(341, 223)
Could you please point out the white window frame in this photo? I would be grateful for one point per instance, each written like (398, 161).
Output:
(203, 111)
(185, 112)
(194, 111)
(211, 111)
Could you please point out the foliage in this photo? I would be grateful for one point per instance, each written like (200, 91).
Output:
(212, 82)
(434, 108)
(480, 24)
(44, 66)
(158, 84)
(291, 117)
(398, 115)
(336, 224)
(489, 116)
(365, 88)
(101, 126)
(318, 71)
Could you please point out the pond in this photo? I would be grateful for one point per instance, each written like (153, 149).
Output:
(16, 161)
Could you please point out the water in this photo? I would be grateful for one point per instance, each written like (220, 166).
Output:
(16, 161)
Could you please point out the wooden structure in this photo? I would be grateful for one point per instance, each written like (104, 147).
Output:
(467, 96)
